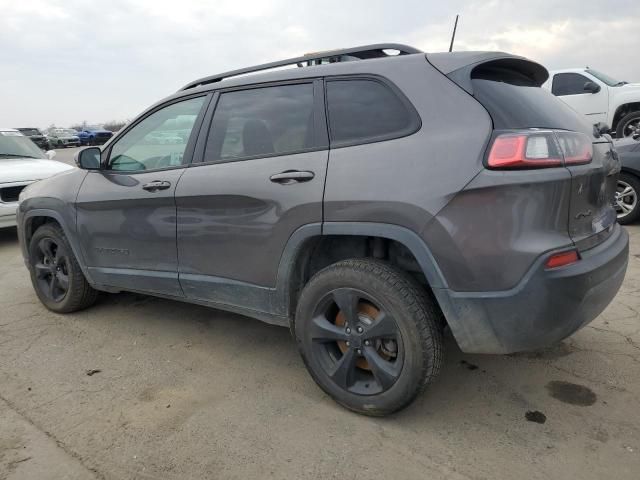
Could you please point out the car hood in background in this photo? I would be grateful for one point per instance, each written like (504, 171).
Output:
(26, 169)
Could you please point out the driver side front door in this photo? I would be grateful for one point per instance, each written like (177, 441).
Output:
(126, 212)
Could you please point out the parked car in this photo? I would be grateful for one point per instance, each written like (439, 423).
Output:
(63, 137)
(94, 136)
(36, 136)
(599, 97)
(363, 204)
(628, 190)
(21, 163)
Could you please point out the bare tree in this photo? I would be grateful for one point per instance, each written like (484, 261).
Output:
(114, 125)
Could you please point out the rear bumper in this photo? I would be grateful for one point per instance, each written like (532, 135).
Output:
(546, 306)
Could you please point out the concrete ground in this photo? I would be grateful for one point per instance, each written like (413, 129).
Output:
(66, 154)
(143, 388)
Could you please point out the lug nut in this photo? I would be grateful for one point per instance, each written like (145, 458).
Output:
(348, 330)
(348, 343)
(367, 343)
(359, 329)
(359, 351)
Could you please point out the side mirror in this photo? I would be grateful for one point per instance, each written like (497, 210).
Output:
(88, 158)
(591, 87)
(51, 154)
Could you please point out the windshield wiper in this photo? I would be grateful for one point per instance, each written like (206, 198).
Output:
(619, 84)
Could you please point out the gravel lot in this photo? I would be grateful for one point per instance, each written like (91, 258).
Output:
(145, 388)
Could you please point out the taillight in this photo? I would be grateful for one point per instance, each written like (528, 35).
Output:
(524, 150)
(539, 149)
(562, 259)
(577, 148)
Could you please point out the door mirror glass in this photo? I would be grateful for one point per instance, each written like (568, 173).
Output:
(88, 158)
(591, 87)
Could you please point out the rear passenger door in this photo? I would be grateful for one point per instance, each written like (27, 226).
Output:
(263, 159)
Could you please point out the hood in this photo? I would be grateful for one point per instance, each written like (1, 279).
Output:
(631, 86)
(29, 169)
(627, 144)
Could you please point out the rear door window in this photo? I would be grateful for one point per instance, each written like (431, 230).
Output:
(568, 84)
(262, 122)
(367, 110)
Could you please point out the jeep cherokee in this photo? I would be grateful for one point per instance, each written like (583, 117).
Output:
(366, 201)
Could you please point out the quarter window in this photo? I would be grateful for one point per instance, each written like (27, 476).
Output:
(158, 141)
(262, 121)
(365, 110)
(568, 84)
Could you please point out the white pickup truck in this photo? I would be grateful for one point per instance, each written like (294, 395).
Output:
(599, 97)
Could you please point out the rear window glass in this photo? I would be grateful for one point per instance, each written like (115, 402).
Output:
(363, 110)
(512, 106)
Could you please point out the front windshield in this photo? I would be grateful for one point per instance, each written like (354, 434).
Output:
(612, 82)
(16, 145)
(69, 131)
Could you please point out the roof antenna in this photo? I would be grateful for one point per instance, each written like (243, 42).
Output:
(453, 35)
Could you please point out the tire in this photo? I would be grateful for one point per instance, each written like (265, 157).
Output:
(621, 131)
(627, 206)
(388, 354)
(52, 262)
(59, 144)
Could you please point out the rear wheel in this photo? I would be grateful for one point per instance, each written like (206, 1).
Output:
(55, 273)
(368, 335)
(626, 198)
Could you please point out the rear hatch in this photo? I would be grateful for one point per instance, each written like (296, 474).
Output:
(553, 135)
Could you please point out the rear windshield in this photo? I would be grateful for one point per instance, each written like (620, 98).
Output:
(517, 106)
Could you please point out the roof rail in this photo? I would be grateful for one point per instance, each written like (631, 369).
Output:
(318, 58)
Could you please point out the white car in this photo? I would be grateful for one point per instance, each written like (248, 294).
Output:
(21, 163)
(599, 97)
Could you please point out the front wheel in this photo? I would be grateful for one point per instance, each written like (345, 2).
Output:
(55, 273)
(369, 335)
(628, 125)
(626, 198)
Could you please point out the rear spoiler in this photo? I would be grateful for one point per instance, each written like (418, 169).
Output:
(462, 67)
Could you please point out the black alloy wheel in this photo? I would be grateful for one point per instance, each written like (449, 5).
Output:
(55, 273)
(52, 270)
(369, 335)
(357, 342)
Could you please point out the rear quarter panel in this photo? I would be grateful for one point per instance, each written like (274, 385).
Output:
(406, 181)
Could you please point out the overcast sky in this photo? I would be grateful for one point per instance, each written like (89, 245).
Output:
(65, 61)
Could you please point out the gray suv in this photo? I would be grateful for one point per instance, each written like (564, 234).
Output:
(367, 200)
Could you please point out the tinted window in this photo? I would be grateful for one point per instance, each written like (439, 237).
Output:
(262, 121)
(512, 106)
(568, 84)
(366, 110)
(158, 141)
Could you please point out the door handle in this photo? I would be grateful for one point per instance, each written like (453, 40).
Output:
(156, 185)
(292, 176)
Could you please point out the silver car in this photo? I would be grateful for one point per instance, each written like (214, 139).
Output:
(63, 137)
(21, 163)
